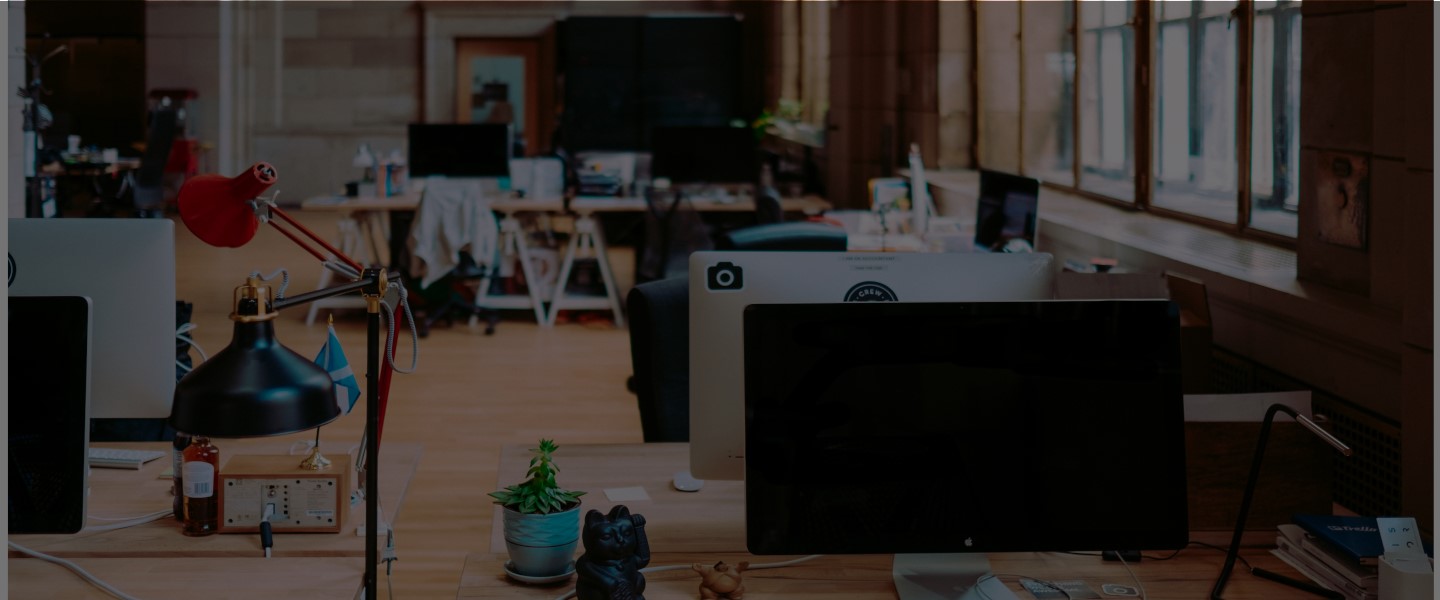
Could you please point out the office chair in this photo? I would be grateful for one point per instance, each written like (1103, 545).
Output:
(145, 186)
(461, 299)
(673, 231)
(453, 232)
(660, 328)
(660, 353)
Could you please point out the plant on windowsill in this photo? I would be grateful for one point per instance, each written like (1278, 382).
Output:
(541, 521)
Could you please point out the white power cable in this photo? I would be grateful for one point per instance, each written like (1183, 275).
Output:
(155, 516)
(180, 334)
(385, 315)
(284, 280)
(91, 579)
(127, 521)
(1139, 585)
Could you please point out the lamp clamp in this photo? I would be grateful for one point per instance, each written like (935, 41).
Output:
(254, 301)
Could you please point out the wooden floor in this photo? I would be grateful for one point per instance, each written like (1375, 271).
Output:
(471, 395)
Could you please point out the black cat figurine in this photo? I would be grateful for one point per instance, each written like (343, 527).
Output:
(615, 551)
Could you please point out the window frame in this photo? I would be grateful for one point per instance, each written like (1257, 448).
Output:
(1144, 27)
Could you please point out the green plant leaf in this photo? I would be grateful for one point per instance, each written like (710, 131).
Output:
(539, 493)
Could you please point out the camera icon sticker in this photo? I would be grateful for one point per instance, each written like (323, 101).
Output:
(724, 276)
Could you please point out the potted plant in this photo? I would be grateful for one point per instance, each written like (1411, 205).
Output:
(541, 520)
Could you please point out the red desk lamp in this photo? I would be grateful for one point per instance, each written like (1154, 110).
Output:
(255, 386)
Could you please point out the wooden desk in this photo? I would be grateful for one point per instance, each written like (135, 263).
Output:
(176, 578)
(711, 520)
(709, 525)
(1189, 575)
(124, 493)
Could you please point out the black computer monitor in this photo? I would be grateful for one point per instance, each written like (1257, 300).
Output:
(460, 149)
(1007, 213)
(964, 427)
(49, 387)
(717, 155)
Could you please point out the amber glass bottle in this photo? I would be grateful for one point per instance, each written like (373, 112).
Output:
(201, 475)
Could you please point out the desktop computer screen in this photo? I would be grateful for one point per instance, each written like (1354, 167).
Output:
(964, 427)
(1007, 213)
(460, 149)
(127, 269)
(704, 154)
(49, 390)
(723, 283)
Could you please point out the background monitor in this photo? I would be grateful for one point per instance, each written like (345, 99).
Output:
(964, 427)
(127, 269)
(704, 154)
(49, 391)
(722, 284)
(460, 149)
(1007, 214)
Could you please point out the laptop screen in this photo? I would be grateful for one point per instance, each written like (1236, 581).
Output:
(1007, 213)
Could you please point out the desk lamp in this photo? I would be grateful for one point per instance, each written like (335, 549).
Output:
(255, 386)
(1250, 494)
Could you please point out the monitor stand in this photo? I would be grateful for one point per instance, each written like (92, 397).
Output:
(947, 577)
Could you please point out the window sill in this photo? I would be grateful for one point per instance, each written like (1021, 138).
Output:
(1262, 310)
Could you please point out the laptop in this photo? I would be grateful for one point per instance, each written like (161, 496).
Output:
(49, 412)
(1007, 214)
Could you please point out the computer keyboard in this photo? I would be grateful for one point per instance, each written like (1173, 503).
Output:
(123, 458)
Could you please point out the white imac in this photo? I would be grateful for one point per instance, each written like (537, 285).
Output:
(722, 284)
(127, 269)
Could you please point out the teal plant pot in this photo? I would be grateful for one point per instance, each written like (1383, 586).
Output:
(542, 545)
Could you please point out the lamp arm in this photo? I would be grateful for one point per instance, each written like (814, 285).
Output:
(330, 292)
(275, 210)
(1254, 479)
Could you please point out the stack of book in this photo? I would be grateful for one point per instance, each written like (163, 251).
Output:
(1338, 552)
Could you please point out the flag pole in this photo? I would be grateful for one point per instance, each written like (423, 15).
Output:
(317, 461)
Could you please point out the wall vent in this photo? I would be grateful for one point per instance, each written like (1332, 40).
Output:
(1367, 483)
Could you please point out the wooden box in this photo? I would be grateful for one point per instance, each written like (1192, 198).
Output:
(305, 501)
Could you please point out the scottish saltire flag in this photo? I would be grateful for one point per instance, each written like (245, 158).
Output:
(332, 359)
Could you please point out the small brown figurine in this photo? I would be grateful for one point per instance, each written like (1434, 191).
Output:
(721, 582)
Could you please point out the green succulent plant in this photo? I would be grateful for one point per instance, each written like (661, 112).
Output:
(538, 495)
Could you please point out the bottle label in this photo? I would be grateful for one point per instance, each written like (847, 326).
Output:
(199, 478)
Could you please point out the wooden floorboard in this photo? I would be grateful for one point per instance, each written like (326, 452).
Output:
(471, 395)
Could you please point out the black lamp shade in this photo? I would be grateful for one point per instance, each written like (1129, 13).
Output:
(255, 387)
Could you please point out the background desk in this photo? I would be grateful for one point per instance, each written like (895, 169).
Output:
(709, 525)
(366, 217)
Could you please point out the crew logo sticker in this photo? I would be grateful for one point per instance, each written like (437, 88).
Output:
(870, 291)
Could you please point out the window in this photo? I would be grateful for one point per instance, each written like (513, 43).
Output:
(1186, 108)
(1275, 118)
(1047, 50)
(1027, 122)
(1107, 86)
(1193, 155)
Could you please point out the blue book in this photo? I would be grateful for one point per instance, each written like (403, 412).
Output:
(1355, 537)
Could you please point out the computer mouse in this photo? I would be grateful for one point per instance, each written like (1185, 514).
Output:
(685, 482)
